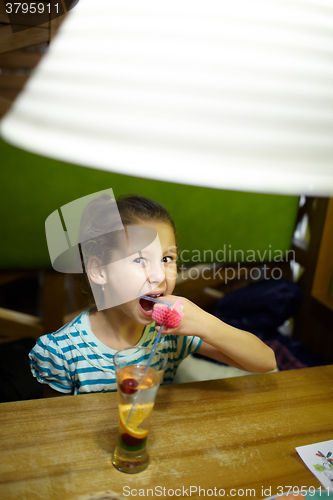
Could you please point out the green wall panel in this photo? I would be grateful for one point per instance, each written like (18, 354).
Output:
(208, 220)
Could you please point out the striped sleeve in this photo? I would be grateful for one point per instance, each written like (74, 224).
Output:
(176, 348)
(190, 345)
(49, 365)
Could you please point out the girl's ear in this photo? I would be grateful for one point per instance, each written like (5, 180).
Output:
(95, 271)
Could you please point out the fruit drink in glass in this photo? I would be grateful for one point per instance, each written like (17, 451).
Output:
(137, 388)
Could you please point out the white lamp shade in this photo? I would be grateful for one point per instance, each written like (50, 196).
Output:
(217, 93)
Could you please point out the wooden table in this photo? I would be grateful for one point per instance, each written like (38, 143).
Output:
(234, 434)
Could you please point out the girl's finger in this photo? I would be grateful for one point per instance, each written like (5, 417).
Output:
(165, 330)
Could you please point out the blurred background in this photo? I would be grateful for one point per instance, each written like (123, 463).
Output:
(258, 261)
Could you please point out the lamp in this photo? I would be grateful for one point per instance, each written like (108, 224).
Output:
(224, 94)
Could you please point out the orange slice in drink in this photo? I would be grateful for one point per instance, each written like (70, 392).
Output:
(138, 415)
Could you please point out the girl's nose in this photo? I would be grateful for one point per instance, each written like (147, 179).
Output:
(156, 273)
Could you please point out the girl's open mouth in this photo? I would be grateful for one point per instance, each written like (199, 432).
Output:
(147, 306)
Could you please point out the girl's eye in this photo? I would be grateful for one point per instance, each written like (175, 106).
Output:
(168, 258)
(140, 260)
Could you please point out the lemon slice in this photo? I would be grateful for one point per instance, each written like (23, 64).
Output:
(138, 415)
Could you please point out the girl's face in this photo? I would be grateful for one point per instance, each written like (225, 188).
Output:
(152, 271)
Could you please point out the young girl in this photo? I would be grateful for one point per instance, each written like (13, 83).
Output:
(78, 358)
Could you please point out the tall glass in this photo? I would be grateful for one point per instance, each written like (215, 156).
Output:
(137, 389)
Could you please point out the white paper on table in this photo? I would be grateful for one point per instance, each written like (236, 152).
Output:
(318, 457)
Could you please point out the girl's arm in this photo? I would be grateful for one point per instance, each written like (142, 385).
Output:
(237, 348)
(224, 342)
(49, 365)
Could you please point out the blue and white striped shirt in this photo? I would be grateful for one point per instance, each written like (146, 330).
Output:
(73, 360)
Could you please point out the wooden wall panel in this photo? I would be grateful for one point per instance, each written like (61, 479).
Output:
(19, 60)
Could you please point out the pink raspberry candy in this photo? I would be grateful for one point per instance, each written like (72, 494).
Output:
(170, 317)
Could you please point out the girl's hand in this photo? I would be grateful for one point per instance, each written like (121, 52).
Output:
(221, 341)
(170, 317)
(194, 319)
